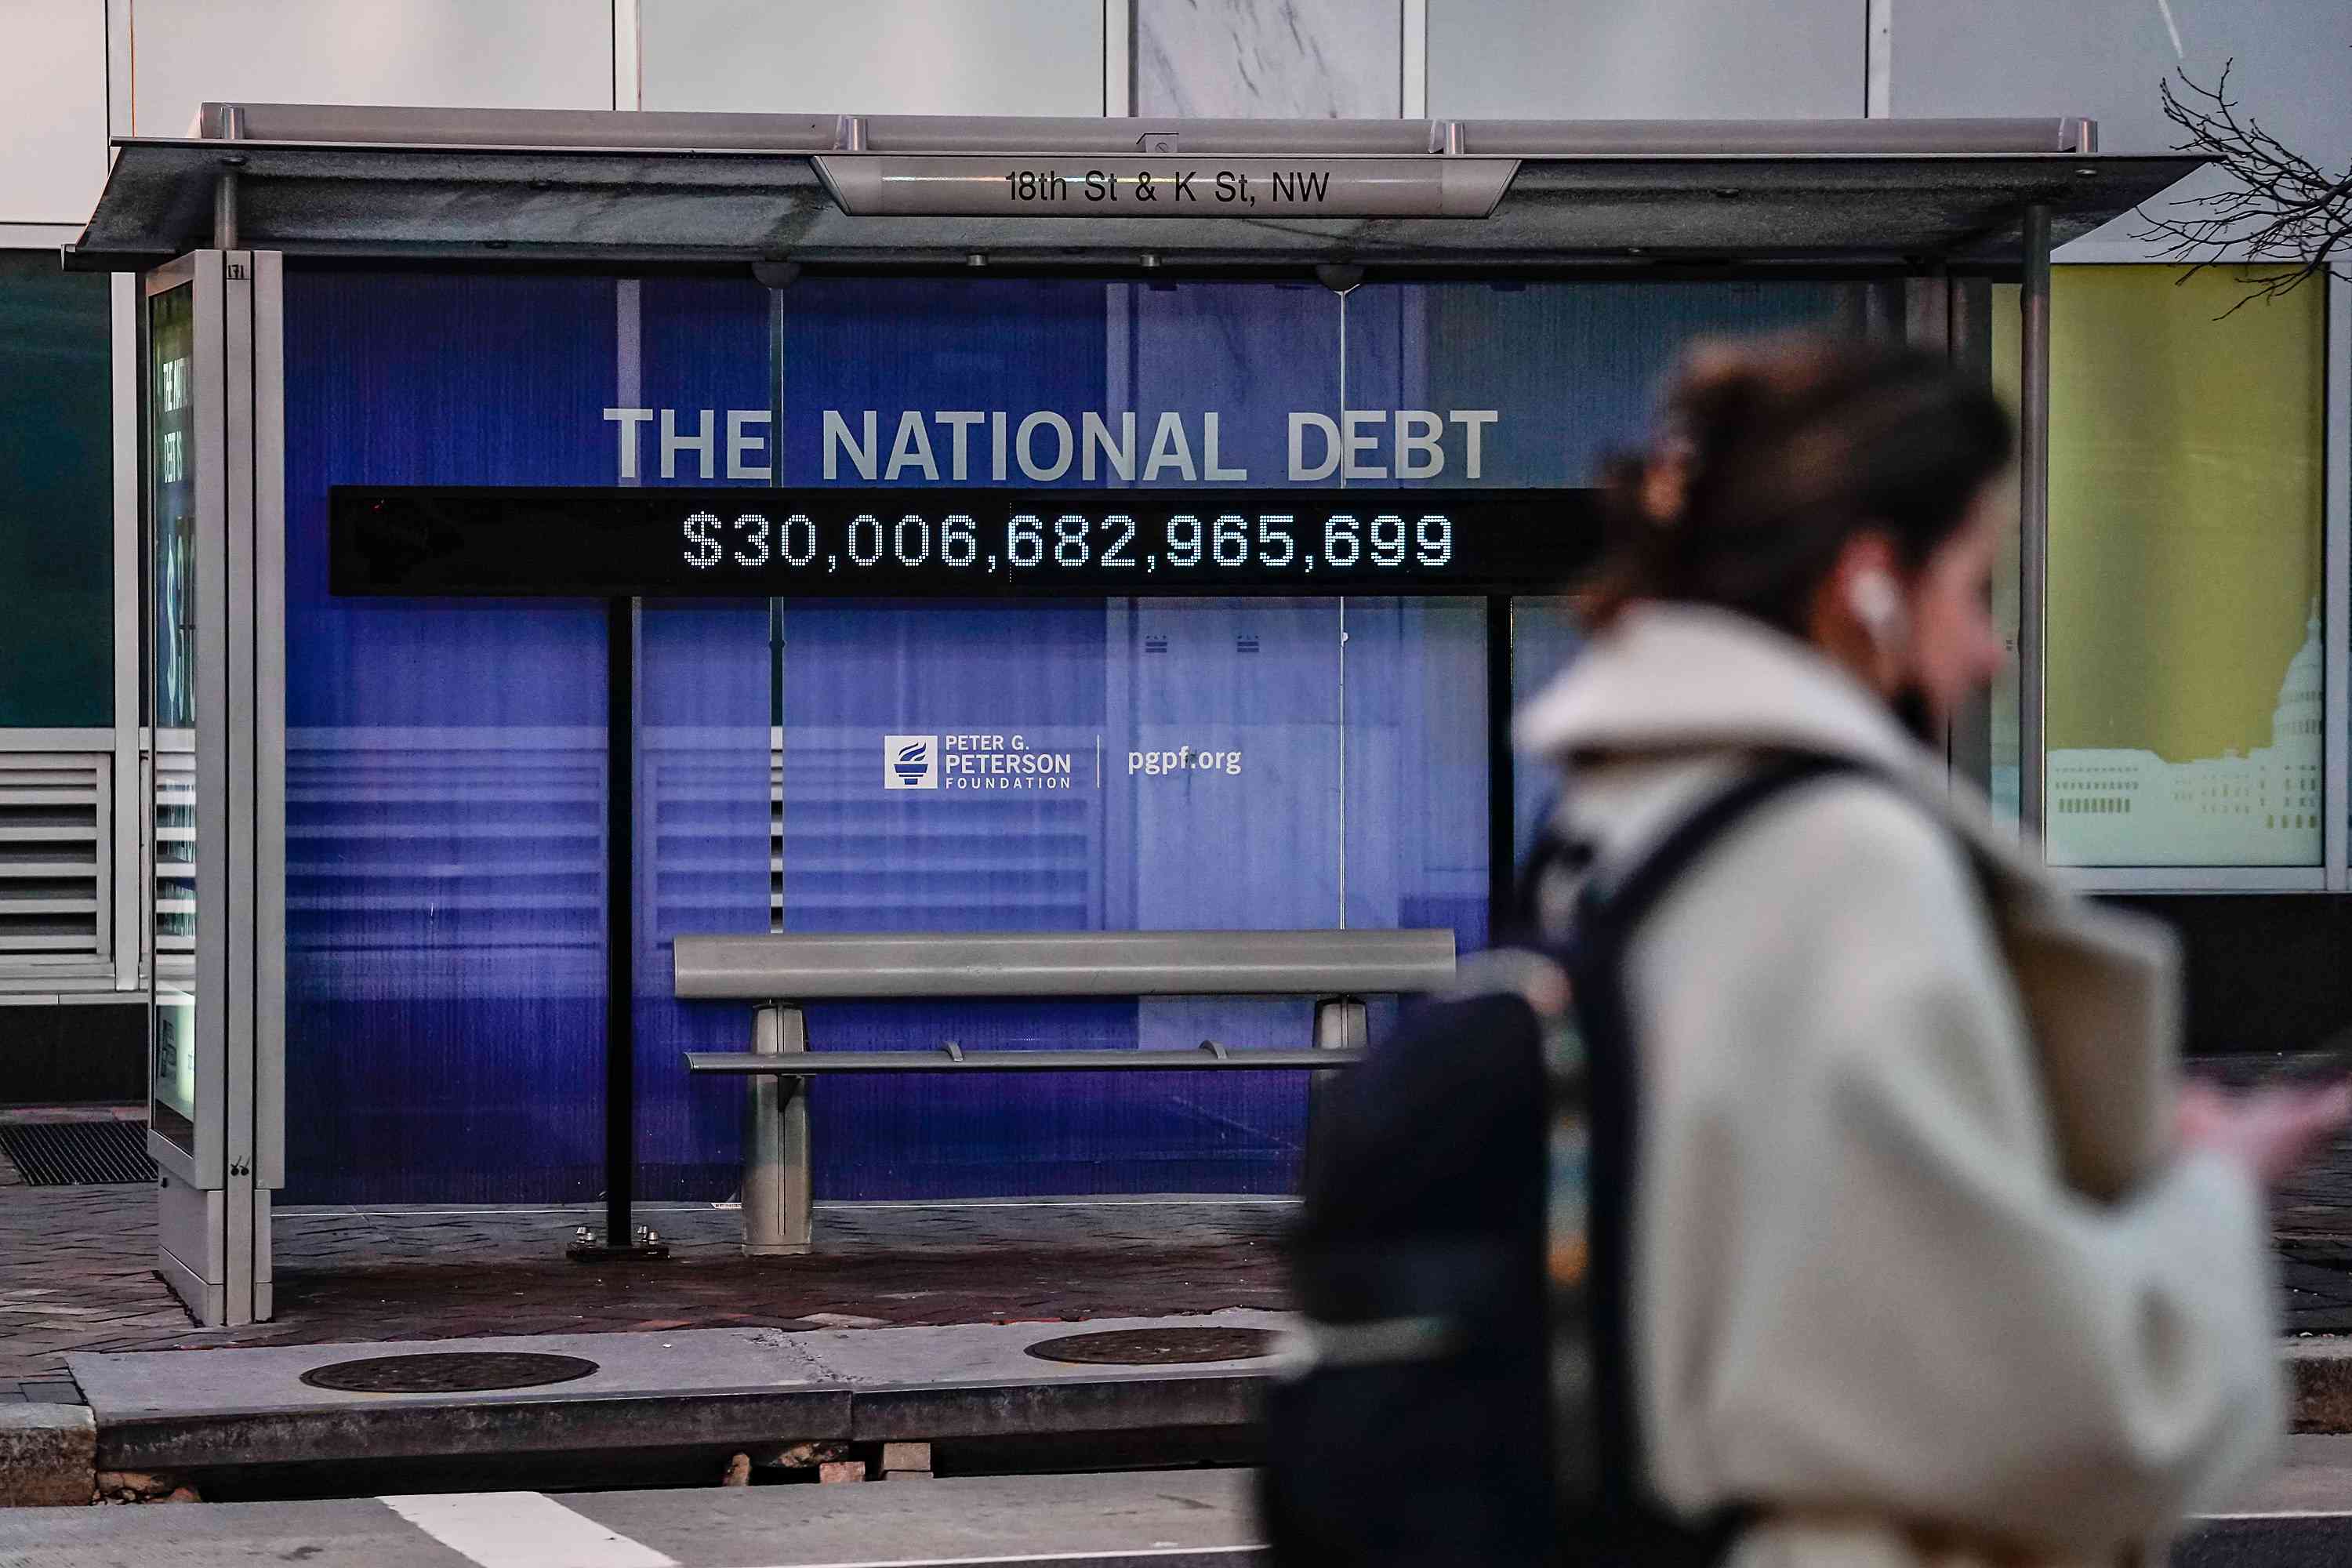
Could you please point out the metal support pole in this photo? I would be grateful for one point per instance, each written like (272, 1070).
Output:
(1502, 783)
(1340, 1024)
(620, 944)
(2033, 512)
(2335, 793)
(224, 209)
(776, 1217)
(620, 1240)
(224, 182)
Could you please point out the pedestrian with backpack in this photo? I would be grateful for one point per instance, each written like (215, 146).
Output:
(1811, 1185)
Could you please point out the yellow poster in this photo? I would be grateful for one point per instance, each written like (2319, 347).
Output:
(2182, 690)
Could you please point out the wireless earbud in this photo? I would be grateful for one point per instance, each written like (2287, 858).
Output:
(1877, 603)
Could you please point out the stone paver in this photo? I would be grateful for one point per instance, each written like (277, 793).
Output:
(76, 1270)
(75, 1273)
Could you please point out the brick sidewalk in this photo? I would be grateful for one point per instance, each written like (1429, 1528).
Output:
(77, 1272)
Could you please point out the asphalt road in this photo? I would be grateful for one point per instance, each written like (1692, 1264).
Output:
(1181, 1519)
(2315, 1540)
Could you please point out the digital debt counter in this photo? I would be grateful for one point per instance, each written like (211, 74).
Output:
(861, 541)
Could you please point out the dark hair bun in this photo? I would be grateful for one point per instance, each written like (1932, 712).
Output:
(1775, 452)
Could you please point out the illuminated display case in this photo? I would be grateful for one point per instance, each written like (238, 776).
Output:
(214, 587)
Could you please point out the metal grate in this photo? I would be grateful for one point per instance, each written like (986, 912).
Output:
(80, 1154)
(53, 857)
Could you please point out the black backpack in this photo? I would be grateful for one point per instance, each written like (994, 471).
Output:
(1462, 1256)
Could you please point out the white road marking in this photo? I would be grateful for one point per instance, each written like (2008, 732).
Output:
(1211, 1200)
(522, 1530)
(2274, 1513)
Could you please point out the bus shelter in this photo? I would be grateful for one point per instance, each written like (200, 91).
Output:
(566, 533)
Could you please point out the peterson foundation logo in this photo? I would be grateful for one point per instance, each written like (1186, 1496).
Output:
(979, 762)
(910, 761)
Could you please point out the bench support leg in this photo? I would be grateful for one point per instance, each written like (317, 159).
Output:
(776, 1144)
(1341, 1023)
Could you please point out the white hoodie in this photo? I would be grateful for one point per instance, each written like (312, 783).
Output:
(1916, 1270)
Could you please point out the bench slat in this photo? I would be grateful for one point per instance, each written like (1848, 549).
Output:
(866, 965)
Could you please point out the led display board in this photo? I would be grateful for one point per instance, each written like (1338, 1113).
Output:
(863, 542)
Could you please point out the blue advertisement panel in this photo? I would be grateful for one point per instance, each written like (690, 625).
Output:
(704, 708)
(863, 764)
(445, 768)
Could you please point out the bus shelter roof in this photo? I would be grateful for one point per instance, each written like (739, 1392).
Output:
(629, 190)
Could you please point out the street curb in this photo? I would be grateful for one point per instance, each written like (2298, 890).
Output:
(716, 1419)
(51, 1454)
(235, 1439)
(48, 1455)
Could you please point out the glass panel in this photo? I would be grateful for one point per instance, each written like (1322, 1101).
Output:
(170, 461)
(1259, 843)
(445, 768)
(704, 699)
(1417, 765)
(1545, 636)
(2183, 679)
(56, 510)
(1573, 371)
(1414, 688)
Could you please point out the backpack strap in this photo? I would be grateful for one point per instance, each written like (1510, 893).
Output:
(1609, 910)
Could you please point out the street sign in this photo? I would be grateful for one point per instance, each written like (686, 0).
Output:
(1094, 185)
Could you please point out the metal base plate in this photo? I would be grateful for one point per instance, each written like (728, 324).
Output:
(596, 1252)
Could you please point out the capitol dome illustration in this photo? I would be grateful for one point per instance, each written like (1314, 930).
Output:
(2124, 806)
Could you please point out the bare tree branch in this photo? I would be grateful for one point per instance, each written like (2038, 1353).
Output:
(2284, 213)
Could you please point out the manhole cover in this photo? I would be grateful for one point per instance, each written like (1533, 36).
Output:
(1157, 1347)
(460, 1371)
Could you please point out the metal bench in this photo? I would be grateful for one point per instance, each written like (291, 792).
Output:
(1338, 968)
